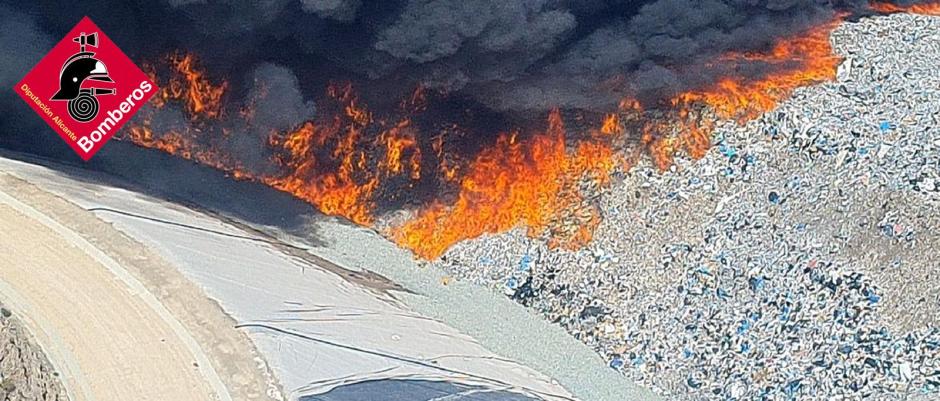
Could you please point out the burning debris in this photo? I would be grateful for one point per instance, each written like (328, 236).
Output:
(522, 123)
(796, 260)
(532, 182)
(926, 8)
(726, 297)
(414, 100)
(348, 162)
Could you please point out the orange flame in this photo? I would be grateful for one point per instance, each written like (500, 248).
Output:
(931, 8)
(611, 125)
(794, 62)
(202, 98)
(801, 61)
(511, 183)
(343, 185)
(399, 141)
(533, 181)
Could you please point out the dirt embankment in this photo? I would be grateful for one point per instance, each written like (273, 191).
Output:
(114, 319)
(25, 374)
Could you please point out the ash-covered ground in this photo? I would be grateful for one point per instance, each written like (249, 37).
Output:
(798, 260)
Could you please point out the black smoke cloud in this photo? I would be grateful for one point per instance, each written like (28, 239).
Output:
(272, 95)
(276, 105)
(22, 44)
(508, 56)
(538, 54)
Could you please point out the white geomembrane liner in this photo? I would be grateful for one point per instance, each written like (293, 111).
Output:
(317, 330)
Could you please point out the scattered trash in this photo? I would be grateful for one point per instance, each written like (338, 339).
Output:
(591, 311)
(885, 126)
(525, 262)
(701, 285)
(773, 197)
(757, 283)
(616, 362)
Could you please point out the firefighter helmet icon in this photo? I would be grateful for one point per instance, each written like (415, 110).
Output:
(82, 67)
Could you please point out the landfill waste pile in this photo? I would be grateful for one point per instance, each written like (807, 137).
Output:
(798, 260)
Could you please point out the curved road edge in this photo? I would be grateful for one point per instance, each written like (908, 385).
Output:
(180, 318)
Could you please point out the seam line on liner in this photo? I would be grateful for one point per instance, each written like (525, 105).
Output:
(191, 227)
(205, 365)
(400, 359)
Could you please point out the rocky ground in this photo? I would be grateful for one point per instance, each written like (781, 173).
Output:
(798, 260)
(25, 374)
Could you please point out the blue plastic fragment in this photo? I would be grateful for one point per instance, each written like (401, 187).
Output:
(773, 197)
(885, 126)
(887, 230)
(757, 283)
(687, 353)
(792, 387)
(524, 263)
(616, 362)
(638, 360)
(745, 347)
(512, 283)
(728, 151)
(745, 325)
(794, 182)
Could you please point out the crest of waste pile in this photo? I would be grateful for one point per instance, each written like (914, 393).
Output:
(348, 161)
(795, 261)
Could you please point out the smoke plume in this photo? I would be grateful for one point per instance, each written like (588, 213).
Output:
(502, 57)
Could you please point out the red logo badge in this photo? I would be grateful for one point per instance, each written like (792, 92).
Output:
(86, 88)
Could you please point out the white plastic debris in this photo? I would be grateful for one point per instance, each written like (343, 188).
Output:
(787, 264)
